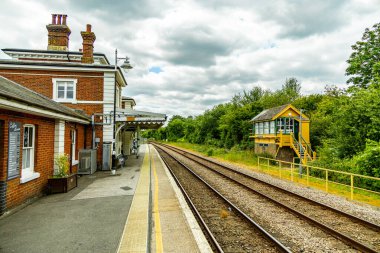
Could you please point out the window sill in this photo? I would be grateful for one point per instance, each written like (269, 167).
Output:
(75, 162)
(70, 101)
(30, 177)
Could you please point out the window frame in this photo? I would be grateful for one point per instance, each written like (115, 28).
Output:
(73, 136)
(28, 174)
(56, 82)
(272, 127)
(266, 127)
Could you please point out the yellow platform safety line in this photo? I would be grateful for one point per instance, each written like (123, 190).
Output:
(156, 212)
(135, 234)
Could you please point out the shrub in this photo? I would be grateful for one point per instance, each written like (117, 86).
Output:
(63, 165)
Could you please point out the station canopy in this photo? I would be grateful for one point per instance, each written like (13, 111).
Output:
(143, 120)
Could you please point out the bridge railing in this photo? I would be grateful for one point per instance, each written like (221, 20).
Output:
(343, 183)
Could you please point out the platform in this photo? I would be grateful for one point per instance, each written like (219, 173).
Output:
(140, 209)
(173, 227)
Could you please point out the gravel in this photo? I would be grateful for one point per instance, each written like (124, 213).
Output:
(361, 210)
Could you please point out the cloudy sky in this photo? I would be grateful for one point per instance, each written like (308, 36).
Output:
(191, 55)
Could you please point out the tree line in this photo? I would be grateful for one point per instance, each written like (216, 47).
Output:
(344, 122)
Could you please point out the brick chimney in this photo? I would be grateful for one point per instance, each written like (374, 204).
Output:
(58, 33)
(88, 45)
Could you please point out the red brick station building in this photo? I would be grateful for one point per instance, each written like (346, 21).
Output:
(59, 101)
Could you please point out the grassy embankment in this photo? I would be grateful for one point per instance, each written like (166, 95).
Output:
(248, 160)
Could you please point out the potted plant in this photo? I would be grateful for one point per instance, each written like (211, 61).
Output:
(62, 181)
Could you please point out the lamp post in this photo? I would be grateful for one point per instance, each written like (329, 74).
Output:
(125, 65)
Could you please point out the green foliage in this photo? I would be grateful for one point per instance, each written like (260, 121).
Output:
(227, 125)
(368, 161)
(364, 62)
(63, 165)
(345, 124)
(210, 152)
(175, 129)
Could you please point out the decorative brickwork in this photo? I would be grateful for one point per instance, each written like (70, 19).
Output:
(88, 45)
(58, 33)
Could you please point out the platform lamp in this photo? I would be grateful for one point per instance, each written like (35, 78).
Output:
(126, 65)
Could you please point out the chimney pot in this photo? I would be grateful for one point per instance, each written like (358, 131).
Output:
(59, 20)
(88, 45)
(53, 19)
(58, 33)
(64, 19)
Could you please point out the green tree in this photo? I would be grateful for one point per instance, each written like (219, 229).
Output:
(175, 129)
(292, 87)
(364, 62)
(368, 161)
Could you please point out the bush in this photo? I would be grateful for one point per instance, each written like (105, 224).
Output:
(368, 161)
(210, 152)
(63, 165)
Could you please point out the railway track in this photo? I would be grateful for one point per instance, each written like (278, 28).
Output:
(227, 227)
(359, 234)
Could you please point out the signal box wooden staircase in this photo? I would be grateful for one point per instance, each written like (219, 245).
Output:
(303, 149)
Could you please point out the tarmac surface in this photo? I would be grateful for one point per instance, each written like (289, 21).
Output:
(89, 218)
(140, 209)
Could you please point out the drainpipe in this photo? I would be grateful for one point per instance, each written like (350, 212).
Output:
(93, 131)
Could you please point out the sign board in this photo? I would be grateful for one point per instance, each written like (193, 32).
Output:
(14, 149)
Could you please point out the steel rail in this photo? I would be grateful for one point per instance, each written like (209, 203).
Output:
(348, 240)
(350, 216)
(194, 209)
(271, 238)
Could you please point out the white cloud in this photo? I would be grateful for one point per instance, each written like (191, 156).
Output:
(207, 50)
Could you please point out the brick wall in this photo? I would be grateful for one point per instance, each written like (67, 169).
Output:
(80, 141)
(269, 148)
(89, 88)
(89, 85)
(286, 154)
(16, 192)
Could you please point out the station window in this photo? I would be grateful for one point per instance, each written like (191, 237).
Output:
(289, 125)
(28, 150)
(280, 125)
(73, 134)
(261, 128)
(28, 153)
(272, 127)
(64, 90)
(266, 127)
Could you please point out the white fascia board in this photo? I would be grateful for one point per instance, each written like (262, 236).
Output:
(120, 78)
(19, 107)
(52, 67)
